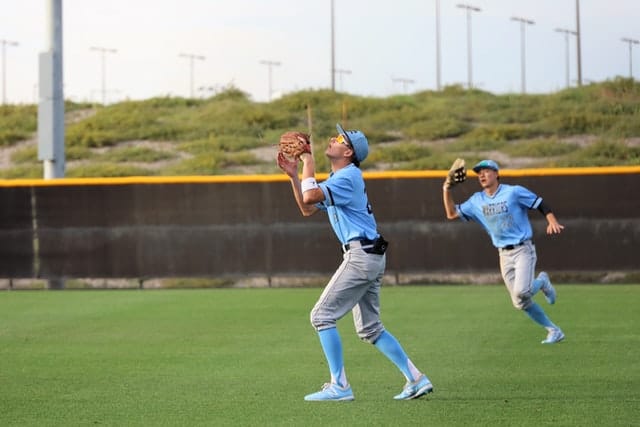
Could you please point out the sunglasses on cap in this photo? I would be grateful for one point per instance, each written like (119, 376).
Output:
(340, 139)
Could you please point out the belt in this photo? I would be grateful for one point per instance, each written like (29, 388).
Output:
(517, 245)
(362, 244)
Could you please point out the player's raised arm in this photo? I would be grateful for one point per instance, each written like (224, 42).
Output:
(457, 174)
(290, 167)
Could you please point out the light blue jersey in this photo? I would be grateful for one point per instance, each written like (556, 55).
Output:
(347, 205)
(504, 215)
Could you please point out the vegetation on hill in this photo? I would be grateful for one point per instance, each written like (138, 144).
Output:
(594, 125)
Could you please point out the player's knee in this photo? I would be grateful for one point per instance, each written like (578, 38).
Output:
(522, 303)
(319, 322)
(369, 335)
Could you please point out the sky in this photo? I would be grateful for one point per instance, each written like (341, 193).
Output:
(383, 47)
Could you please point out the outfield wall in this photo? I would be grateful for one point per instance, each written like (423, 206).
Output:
(250, 225)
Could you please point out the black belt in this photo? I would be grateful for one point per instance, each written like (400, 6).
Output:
(378, 246)
(517, 245)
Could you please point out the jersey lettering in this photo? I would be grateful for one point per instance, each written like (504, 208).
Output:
(495, 209)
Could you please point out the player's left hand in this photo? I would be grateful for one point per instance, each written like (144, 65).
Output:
(554, 228)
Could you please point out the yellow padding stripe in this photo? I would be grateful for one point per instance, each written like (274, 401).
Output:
(609, 170)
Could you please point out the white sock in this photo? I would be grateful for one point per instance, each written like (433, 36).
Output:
(341, 380)
(415, 373)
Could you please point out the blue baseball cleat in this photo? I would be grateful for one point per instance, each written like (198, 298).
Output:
(554, 336)
(415, 389)
(330, 392)
(547, 288)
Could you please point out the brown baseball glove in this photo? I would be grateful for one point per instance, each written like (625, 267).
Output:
(457, 174)
(293, 144)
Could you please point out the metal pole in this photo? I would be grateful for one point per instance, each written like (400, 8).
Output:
(631, 42)
(469, 9)
(333, 48)
(566, 52)
(192, 58)
(103, 51)
(53, 104)
(469, 54)
(567, 61)
(5, 43)
(438, 69)
(50, 117)
(270, 64)
(578, 49)
(523, 66)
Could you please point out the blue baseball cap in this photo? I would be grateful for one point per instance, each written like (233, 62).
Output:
(357, 140)
(486, 164)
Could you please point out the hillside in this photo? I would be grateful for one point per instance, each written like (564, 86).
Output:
(595, 125)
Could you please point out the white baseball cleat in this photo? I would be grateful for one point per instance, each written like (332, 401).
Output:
(415, 389)
(554, 336)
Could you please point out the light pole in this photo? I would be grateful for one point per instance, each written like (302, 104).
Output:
(523, 74)
(103, 51)
(469, 9)
(405, 82)
(192, 57)
(333, 48)
(270, 64)
(5, 43)
(566, 51)
(631, 42)
(578, 48)
(341, 72)
(438, 80)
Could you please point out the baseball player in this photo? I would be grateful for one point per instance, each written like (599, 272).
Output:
(502, 210)
(355, 286)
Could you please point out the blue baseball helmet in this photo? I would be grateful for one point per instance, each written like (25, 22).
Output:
(357, 140)
(486, 164)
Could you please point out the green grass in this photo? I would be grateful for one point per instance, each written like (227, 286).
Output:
(247, 357)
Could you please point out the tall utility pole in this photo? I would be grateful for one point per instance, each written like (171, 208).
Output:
(341, 72)
(631, 42)
(523, 73)
(5, 43)
(333, 48)
(469, 55)
(566, 52)
(192, 57)
(270, 64)
(578, 48)
(51, 105)
(103, 51)
(438, 68)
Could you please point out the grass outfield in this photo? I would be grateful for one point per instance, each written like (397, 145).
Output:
(248, 357)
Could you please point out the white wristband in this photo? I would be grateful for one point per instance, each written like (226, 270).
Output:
(308, 184)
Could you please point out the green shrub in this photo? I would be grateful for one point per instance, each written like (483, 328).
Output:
(27, 171)
(30, 154)
(25, 155)
(106, 170)
(398, 153)
(603, 153)
(204, 164)
(539, 148)
(437, 129)
(135, 154)
(438, 161)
